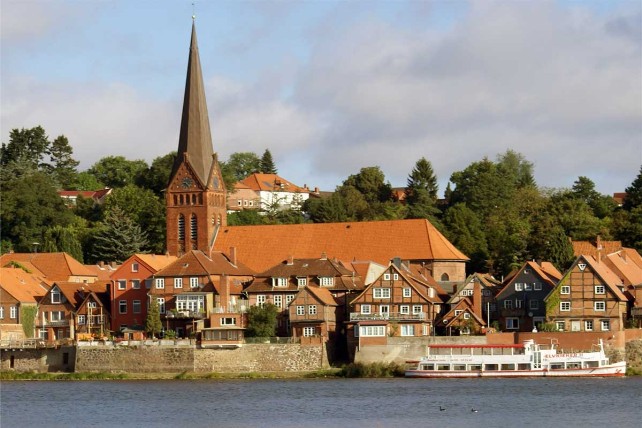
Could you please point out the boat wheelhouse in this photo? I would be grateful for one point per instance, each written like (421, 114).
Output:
(526, 360)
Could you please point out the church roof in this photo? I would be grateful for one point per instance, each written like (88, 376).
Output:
(195, 138)
(262, 247)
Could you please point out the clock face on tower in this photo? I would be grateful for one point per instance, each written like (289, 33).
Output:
(187, 182)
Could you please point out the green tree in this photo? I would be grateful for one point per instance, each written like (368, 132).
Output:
(243, 164)
(464, 230)
(627, 227)
(62, 164)
(261, 321)
(267, 165)
(516, 169)
(634, 193)
(576, 217)
(422, 177)
(245, 218)
(87, 181)
(117, 239)
(30, 205)
(116, 171)
(326, 210)
(158, 174)
(549, 242)
(26, 146)
(602, 205)
(62, 239)
(153, 324)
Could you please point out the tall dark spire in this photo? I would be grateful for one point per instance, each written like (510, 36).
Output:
(195, 138)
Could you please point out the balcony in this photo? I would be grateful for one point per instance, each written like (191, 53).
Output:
(185, 314)
(392, 316)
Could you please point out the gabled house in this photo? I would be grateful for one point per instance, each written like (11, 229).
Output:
(521, 301)
(627, 265)
(314, 312)
(129, 285)
(489, 287)
(267, 192)
(73, 311)
(279, 285)
(587, 298)
(53, 266)
(463, 318)
(19, 295)
(398, 303)
(195, 286)
(70, 197)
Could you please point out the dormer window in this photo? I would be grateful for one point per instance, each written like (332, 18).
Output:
(279, 282)
(302, 282)
(55, 295)
(326, 281)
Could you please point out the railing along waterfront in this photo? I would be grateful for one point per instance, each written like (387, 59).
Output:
(392, 316)
(22, 343)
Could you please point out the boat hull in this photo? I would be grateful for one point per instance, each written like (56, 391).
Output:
(611, 370)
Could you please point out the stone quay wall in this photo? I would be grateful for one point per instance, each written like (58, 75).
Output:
(135, 359)
(38, 359)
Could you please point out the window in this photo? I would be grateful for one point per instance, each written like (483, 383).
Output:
(466, 316)
(160, 282)
(485, 292)
(512, 323)
(136, 284)
(278, 301)
(136, 306)
(122, 284)
(560, 325)
(407, 292)
(599, 306)
(588, 325)
(260, 300)
(417, 309)
(537, 286)
(279, 282)
(1, 312)
(228, 321)
(407, 330)
(386, 277)
(193, 282)
(519, 286)
(527, 270)
(404, 309)
(327, 281)
(13, 312)
(599, 289)
(309, 331)
(372, 330)
(527, 287)
(384, 311)
(565, 289)
(445, 277)
(91, 304)
(606, 325)
(467, 292)
(81, 320)
(178, 282)
(148, 283)
(312, 309)
(533, 304)
(565, 306)
(300, 310)
(161, 304)
(240, 202)
(122, 306)
(518, 304)
(381, 293)
(56, 316)
(302, 282)
(134, 267)
(508, 304)
(55, 295)
(289, 298)
(366, 309)
(395, 276)
(458, 312)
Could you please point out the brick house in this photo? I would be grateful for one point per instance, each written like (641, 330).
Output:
(398, 303)
(279, 285)
(587, 298)
(489, 286)
(314, 312)
(73, 311)
(520, 303)
(463, 318)
(195, 286)
(129, 285)
(627, 265)
(19, 290)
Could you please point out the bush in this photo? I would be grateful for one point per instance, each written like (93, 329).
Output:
(372, 370)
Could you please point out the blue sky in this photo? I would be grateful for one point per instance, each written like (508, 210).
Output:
(333, 86)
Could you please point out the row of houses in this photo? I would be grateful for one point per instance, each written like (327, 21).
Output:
(357, 302)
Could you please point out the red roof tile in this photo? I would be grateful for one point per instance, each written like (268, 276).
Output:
(264, 246)
(55, 266)
(24, 287)
(270, 183)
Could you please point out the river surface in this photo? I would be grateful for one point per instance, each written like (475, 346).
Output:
(352, 403)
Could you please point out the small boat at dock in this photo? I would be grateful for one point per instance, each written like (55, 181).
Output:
(526, 360)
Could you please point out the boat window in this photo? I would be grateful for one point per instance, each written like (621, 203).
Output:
(574, 365)
(557, 366)
(443, 367)
(491, 367)
(523, 366)
(592, 364)
(508, 367)
(427, 367)
(475, 367)
(477, 351)
(459, 367)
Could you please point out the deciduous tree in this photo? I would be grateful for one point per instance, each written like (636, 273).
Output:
(261, 321)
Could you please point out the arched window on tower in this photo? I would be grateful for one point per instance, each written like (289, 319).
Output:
(445, 277)
(193, 230)
(181, 231)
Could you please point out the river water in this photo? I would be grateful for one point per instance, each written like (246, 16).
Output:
(352, 403)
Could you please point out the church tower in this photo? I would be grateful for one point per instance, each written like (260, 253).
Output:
(196, 195)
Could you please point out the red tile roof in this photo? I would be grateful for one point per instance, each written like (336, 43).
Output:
(196, 263)
(55, 266)
(270, 183)
(24, 287)
(591, 249)
(264, 246)
(322, 294)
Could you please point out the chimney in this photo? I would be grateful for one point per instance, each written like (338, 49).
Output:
(623, 254)
(477, 299)
(233, 255)
(101, 264)
(316, 190)
(324, 256)
(290, 260)
(397, 261)
(225, 292)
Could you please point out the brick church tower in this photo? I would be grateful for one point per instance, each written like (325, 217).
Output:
(196, 195)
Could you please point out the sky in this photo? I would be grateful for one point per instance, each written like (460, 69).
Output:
(330, 87)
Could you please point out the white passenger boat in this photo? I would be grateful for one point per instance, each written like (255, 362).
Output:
(526, 360)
